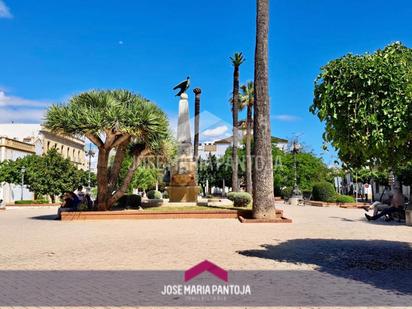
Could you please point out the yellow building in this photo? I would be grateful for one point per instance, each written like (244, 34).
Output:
(69, 147)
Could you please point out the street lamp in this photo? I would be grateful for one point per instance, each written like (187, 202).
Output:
(23, 170)
(296, 197)
(90, 153)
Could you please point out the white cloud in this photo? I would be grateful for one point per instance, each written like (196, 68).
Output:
(11, 101)
(286, 118)
(4, 10)
(8, 115)
(218, 131)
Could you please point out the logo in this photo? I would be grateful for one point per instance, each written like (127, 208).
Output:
(206, 266)
(206, 291)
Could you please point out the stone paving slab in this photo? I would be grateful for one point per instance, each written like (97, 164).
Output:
(337, 254)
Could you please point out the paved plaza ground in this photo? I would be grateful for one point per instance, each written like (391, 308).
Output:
(334, 250)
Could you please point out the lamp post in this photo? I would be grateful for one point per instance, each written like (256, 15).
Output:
(296, 197)
(23, 170)
(90, 153)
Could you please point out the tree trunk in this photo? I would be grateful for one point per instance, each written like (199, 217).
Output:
(127, 180)
(235, 110)
(263, 199)
(248, 149)
(197, 92)
(102, 179)
(117, 164)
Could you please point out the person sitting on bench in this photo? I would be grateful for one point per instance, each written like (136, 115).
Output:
(397, 203)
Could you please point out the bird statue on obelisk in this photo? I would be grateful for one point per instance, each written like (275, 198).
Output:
(183, 187)
(184, 138)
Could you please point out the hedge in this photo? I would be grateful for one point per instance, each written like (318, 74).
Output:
(240, 199)
(29, 202)
(324, 192)
(344, 199)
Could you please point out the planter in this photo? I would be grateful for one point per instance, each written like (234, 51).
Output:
(146, 215)
(247, 218)
(408, 216)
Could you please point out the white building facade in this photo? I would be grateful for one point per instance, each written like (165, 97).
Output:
(11, 149)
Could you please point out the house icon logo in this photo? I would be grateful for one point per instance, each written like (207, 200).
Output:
(206, 266)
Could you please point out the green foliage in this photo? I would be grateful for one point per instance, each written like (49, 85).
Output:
(165, 194)
(208, 170)
(324, 192)
(121, 111)
(144, 177)
(344, 199)
(31, 202)
(49, 174)
(154, 195)
(366, 104)
(113, 120)
(405, 174)
(286, 192)
(237, 59)
(240, 199)
(310, 169)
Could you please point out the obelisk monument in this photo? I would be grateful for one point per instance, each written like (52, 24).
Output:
(183, 187)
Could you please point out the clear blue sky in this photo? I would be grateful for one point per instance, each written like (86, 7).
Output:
(52, 49)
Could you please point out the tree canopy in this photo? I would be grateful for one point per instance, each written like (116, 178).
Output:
(113, 119)
(366, 104)
(49, 174)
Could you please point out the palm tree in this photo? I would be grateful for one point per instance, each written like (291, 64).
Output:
(246, 100)
(197, 92)
(237, 60)
(263, 195)
(118, 120)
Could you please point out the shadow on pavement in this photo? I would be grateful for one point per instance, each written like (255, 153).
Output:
(383, 264)
(44, 217)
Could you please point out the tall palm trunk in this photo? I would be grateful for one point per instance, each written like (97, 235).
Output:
(235, 109)
(263, 199)
(197, 92)
(249, 120)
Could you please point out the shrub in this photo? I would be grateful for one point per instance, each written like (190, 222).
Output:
(324, 192)
(344, 199)
(240, 199)
(28, 202)
(130, 201)
(165, 194)
(286, 192)
(153, 194)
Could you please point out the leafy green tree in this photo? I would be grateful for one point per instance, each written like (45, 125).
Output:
(112, 120)
(366, 104)
(310, 170)
(405, 174)
(49, 174)
(207, 172)
(145, 176)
